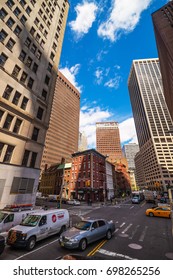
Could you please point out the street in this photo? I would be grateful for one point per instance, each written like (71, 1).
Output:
(136, 236)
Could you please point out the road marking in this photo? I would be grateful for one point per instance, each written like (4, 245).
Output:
(143, 234)
(126, 229)
(135, 246)
(116, 230)
(132, 206)
(113, 254)
(133, 232)
(122, 225)
(37, 249)
(97, 248)
(143, 204)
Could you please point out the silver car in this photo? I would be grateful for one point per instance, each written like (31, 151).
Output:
(86, 232)
(73, 202)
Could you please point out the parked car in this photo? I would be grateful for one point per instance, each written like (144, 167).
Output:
(2, 244)
(159, 212)
(86, 232)
(73, 202)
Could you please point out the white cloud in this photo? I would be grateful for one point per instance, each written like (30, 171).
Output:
(99, 75)
(114, 82)
(101, 54)
(88, 118)
(123, 18)
(70, 74)
(128, 131)
(86, 15)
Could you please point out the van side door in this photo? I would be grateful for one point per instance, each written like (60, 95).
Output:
(8, 222)
(42, 228)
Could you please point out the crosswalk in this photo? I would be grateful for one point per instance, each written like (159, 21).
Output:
(131, 231)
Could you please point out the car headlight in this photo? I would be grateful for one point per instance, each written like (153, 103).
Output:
(24, 235)
(73, 240)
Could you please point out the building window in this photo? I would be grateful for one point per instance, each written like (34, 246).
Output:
(33, 2)
(1, 147)
(10, 22)
(23, 19)
(1, 114)
(25, 158)
(16, 98)
(22, 3)
(37, 38)
(41, 27)
(17, 126)
(3, 59)
(36, 21)
(3, 14)
(38, 55)
(49, 68)
(22, 55)
(35, 67)
(33, 48)
(52, 56)
(33, 159)
(45, 33)
(28, 62)
(35, 134)
(30, 83)
(42, 43)
(44, 94)
(10, 44)
(32, 31)
(10, 3)
(7, 92)
(8, 154)
(8, 121)
(17, 30)
(16, 71)
(27, 42)
(28, 10)
(3, 35)
(47, 79)
(17, 12)
(54, 46)
(23, 77)
(24, 103)
(40, 113)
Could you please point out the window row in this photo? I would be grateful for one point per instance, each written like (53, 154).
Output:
(10, 22)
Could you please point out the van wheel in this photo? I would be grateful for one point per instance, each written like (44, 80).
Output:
(108, 234)
(31, 243)
(83, 244)
(63, 228)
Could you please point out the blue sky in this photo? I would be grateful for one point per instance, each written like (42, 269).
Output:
(102, 38)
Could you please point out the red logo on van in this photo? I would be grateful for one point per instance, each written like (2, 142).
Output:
(53, 218)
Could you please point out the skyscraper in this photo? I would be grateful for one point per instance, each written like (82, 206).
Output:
(62, 135)
(129, 151)
(154, 161)
(31, 37)
(108, 140)
(163, 28)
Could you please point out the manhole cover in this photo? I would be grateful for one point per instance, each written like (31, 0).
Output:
(135, 246)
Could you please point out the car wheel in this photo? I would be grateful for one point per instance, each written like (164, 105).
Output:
(151, 214)
(31, 243)
(63, 228)
(83, 244)
(109, 234)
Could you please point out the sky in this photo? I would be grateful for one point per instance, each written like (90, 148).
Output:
(101, 40)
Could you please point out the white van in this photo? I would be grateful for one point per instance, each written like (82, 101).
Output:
(12, 215)
(38, 226)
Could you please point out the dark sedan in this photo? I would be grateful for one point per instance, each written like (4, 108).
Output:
(86, 232)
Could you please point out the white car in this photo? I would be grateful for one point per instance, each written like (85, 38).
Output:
(73, 202)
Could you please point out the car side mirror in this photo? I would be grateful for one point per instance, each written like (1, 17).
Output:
(92, 228)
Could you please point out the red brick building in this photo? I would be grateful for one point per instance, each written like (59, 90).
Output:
(88, 176)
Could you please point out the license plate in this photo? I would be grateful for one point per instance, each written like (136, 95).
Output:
(62, 243)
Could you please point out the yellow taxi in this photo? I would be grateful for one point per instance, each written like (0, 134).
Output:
(159, 212)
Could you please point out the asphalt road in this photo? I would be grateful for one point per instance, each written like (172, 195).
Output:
(136, 237)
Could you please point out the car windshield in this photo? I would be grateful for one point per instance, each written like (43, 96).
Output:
(31, 220)
(83, 225)
(2, 216)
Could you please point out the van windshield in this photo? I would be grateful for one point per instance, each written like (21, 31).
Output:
(2, 216)
(31, 220)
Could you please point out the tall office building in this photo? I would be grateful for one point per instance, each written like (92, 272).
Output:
(108, 140)
(31, 36)
(62, 135)
(129, 151)
(83, 143)
(154, 161)
(163, 28)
